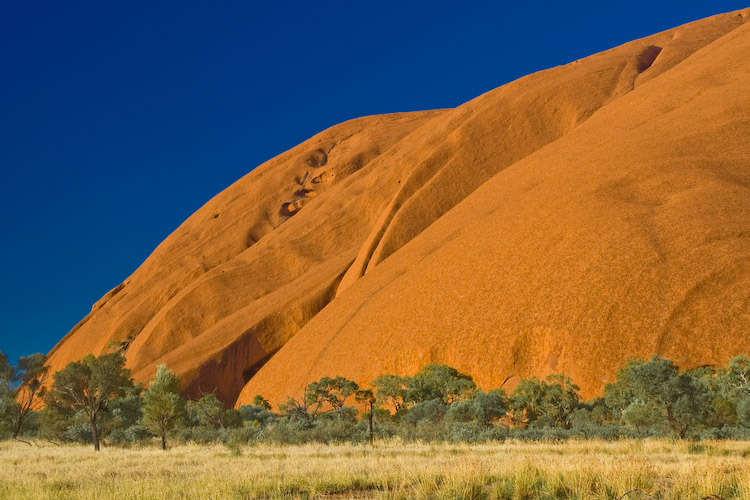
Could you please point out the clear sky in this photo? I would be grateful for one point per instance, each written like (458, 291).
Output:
(120, 119)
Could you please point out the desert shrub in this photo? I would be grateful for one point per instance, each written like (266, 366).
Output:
(335, 430)
(475, 432)
(210, 412)
(133, 434)
(288, 431)
(256, 415)
(547, 403)
(198, 434)
(244, 435)
(79, 432)
(424, 431)
(743, 412)
(425, 412)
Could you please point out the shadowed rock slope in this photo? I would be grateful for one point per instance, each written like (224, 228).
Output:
(566, 221)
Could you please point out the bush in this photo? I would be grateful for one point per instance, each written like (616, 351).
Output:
(256, 415)
(426, 412)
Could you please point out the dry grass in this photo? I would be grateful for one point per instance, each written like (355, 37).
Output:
(512, 471)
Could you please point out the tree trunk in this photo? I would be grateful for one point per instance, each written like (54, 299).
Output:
(17, 428)
(94, 433)
(163, 440)
(371, 433)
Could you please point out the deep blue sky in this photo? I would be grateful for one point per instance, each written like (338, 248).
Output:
(118, 122)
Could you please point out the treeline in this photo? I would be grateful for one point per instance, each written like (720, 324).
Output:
(95, 400)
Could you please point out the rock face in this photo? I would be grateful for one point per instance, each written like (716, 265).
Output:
(564, 222)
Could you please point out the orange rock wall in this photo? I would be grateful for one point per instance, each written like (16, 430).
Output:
(566, 221)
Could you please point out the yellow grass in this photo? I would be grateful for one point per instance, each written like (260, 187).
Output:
(512, 471)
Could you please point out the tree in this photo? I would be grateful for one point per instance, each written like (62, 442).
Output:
(21, 389)
(426, 412)
(297, 412)
(680, 398)
(88, 386)
(367, 397)
(331, 392)
(641, 415)
(163, 407)
(123, 415)
(490, 406)
(440, 382)
(390, 391)
(6, 398)
(734, 381)
(484, 408)
(259, 400)
(743, 412)
(548, 404)
(210, 412)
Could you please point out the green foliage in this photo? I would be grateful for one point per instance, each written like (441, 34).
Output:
(680, 399)
(122, 413)
(548, 403)
(734, 381)
(367, 397)
(743, 412)
(426, 412)
(95, 397)
(328, 395)
(390, 391)
(88, 386)
(163, 407)
(210, 412)
(256, 415)
(483, 408)
(21, 390)
(259, 400)
(295, 414)
(439, 382)
(6, 398)
(642, 416)
(722, 412)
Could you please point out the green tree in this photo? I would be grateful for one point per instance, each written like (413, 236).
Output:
(743, 412)
(681, 399)
(367, 397)
(210, 412)
(6, 398)
(641, 415)
(328, 395)
(163, 407)
(490, 406)
(426, 412)
(259, 400)
(483, 408)
(733, 382)
(296, 412)
(21, 389)
(123, 414)
(88, 386)
(548, 403)
(390, 391)
(440, 382)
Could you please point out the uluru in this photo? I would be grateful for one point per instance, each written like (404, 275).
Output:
(561, 223)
